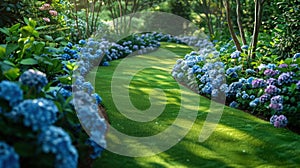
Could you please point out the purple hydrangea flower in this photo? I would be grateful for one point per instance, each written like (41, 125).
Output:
(271, 81)
(277, 100)
(276, 107)
(278, 121)
(264, 98)
(271, 89)
(285, 78)
(257, 83)
(283, 66)
(298, 85)
(270, 72)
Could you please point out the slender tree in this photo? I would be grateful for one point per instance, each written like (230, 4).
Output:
(257, 23)
(239, 22)
(229, 22)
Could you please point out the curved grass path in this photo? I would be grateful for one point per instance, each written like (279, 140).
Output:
(240, 140)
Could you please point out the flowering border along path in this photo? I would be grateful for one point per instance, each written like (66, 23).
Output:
(239, 140)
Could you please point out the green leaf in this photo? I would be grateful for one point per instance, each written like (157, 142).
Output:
(2, 52)
(26, 21)
(38, 47)
(5, 31)
(29, 61)
(26, 31)
(49, 38)
(35, 33)
(65, 80)
(11, 48)
(12, 74)
(59, 39)
(9, 63)
(288, 61)
(41, 27)
(32, 22)
(14, 28)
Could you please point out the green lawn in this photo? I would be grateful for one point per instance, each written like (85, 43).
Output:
(240, 140)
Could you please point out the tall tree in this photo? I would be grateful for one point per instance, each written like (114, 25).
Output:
(257, 24)
(239, 21)
(230, 26)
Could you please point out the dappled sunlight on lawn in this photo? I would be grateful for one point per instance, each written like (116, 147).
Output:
(239, 139)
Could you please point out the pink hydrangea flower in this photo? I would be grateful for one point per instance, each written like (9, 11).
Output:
(46, 19)
(53, 12)
(45, 7)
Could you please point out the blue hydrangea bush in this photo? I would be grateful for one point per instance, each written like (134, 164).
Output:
(37, 108)
(267, 89)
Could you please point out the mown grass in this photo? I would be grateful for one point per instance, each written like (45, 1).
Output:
(240, 139)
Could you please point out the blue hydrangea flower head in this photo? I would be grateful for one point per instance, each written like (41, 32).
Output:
(97, 98)
(233, 104)
(70, 45)
(11, 92)
(34, 79)
(82, 42)
(215, 93)
(252, 104)
(223, 49)
(38, 114)
(56, 141)
(8, 157)
(97, 149)
(250, 79)
(250, 71)
(235, 54)
(64, 92)
(88, 87)
(271, 66)
(245, 47)
(296, 56)
(105, 63)
(252, 97)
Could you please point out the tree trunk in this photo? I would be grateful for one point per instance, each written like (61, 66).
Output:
(76, 20)
(236, 41)
(87, 18)
(257, 23)
(239, 22)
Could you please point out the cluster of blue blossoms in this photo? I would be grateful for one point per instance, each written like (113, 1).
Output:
(34, 79)
(11, 92)
(39, 115)
(8, 156)
(208, 72)
(56, 141)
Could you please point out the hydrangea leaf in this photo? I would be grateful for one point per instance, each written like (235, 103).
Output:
(29, 61)
(12, 74)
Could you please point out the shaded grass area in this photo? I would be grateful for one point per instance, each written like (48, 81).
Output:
(240, 140)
